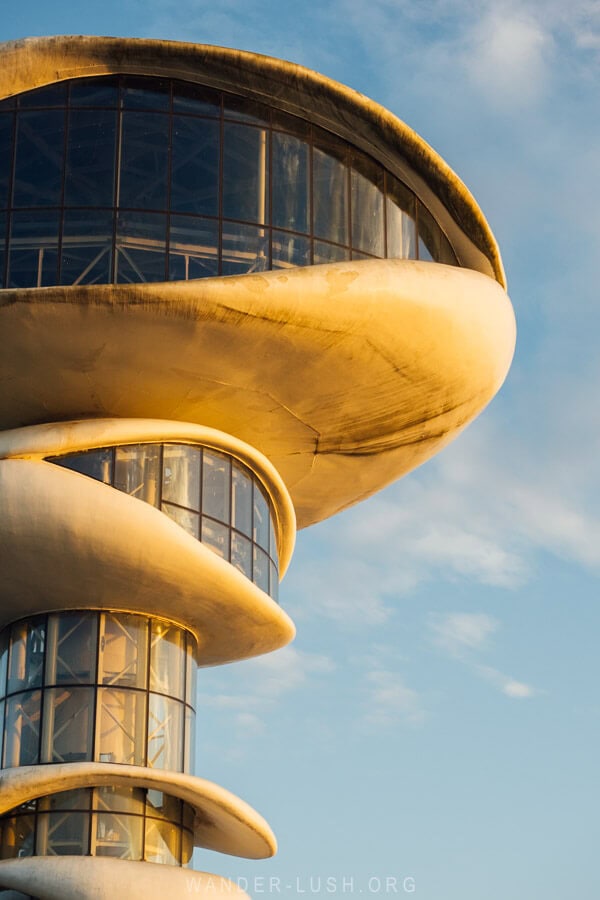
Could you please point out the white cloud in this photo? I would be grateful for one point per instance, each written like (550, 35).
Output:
(391, 702)
(457, 632)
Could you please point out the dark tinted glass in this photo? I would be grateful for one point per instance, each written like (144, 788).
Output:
(330, 195)
(195, 99)
(433, 243)
(245, 249)
(39, 160)
(145, 93)
(144, 154)
(195, 166)
(7, 121)
(193, 248)
(90, 170)
(52, 95)
(97, 464)
(367, 207)
(290, 183)
(245, 173)
(94, 92)
(140, 247)
(86, 256)
(33, 258)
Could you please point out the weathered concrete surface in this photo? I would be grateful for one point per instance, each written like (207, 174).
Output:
(345, 376)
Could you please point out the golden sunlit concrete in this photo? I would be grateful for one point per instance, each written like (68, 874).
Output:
(345, 376)
(69, 542)
(223, 822)
(98, 878)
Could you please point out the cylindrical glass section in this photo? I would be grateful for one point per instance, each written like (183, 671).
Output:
(122, 823)
(214, 497)
(104, 686)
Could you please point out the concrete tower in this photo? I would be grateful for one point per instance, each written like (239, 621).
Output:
(164, 427)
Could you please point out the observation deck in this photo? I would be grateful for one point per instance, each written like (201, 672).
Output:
(237, 297)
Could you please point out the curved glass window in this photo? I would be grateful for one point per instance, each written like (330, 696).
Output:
(129, 179)
(103, 686)
(212, 496)
(123, 823)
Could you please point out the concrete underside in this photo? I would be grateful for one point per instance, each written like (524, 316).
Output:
(344, 376)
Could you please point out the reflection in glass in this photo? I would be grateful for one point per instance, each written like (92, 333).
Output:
(260, 570)
(162, 842)
(261, 519)
(117, 835)
(245, 249)
(195, 166)
(119, 799)
(96, 464)
(215, 485)
(120, 733)
(290, 183)
(39, 158)
(3, 661)
(193, 248)
(433, 243)
(325, 253)
(68, 725)
(26, 665)
(16, 836)
(123, 648)
(137, 472)
(165, 733)
(86, 253)
(22, 730)
(167, 659)
(90, 169)
(216, 536)
(241, 554)
(330, 197)
(245, 167)
(181, 475)
(241, 500)
(71, 648)
(289, 250)
(367, 210)
(144, 154)
(401, 224)
(140, 247)
(185, 518)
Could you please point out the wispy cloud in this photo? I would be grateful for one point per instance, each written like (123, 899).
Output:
(463, 636)
(391, 702)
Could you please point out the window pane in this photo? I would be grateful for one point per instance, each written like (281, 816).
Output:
(117, 835)
(189, 750)
(261, 519)
(63, 834)
(245, 168)
(215, 536)
(241, 501)
(272, 540)
(273, 582)
(123, 650)
(401, 225)
(90, 170)
(145, 93)
(290, 180)
(245, 249)
(195, 166)
(241, 554)
(329, 253)
(52, 95)
(39, 159)
(140, 247)
(71, 652)
(7, 120)
(17, 836)
(77, 799)
(189, 521)
(86, 254)
(187, 847)
(196, 99)
(433, 243)
(191, 669)
(33, 260)
(193, 248)
(119, 799)
(289, 250)
(260, 574)
(181, 475)
(3, 218)
(144, 155)
(94, 92)
(165, 733)
(163, 842)
(137, 472)
(330, 197)
(367, 208)
(216, 471)
(22, 730)
(163, 806)
(3, 661)
(167, 659)
(121, 727)
(95, 464)
(68, 725)
(27, 642)
(245, 109)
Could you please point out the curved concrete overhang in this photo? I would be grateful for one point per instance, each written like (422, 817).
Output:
(223, 822)
(56, 439)
(345, 376)
(35, 62)
(101, 878)
(69, 542)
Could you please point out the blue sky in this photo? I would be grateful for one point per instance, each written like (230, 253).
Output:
(435, 727)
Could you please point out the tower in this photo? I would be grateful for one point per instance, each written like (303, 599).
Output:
(164, 426)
